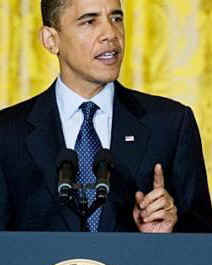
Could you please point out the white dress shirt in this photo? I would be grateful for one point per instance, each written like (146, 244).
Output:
(72, 117)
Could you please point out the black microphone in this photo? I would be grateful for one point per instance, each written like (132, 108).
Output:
(67, 168)
(103, 164)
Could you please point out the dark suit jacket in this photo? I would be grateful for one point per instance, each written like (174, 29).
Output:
(164, 131)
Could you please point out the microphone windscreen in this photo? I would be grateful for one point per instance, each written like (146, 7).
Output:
(68, 156)
(103, 155)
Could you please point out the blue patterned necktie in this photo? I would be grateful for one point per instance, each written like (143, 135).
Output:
(86, 146)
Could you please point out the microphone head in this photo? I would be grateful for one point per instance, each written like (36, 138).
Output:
(103, 155)
(68, 156)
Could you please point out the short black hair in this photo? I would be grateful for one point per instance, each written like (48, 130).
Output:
(51, 11)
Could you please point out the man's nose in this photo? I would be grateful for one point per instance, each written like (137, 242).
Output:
(109, 32)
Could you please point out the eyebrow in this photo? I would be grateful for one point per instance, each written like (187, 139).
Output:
(93, 14)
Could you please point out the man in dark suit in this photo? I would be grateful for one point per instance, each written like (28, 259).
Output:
(159, 182)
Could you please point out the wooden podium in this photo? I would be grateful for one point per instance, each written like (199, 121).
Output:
(32, 248)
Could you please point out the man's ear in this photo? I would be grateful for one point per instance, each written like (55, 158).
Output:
(49, 39)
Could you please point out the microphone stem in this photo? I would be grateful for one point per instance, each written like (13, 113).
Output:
(94, 206)
(83, 211)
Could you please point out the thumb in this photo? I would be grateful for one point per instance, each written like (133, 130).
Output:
(139, 197)
(158, 177)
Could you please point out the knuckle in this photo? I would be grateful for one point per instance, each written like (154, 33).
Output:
(163, 201)
(162, 191)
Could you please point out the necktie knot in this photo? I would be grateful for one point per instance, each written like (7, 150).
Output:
(89, 109)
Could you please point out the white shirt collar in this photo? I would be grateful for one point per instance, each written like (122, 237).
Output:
(68, 101)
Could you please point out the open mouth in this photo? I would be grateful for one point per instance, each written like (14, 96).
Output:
(107, 55)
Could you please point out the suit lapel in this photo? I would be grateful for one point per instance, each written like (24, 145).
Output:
(130, 135)
(45, 142)
(128, 145)
(46, 138)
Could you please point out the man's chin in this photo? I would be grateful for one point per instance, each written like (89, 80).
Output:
(107, 79)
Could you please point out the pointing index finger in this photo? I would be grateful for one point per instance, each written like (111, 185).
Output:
(158, 177)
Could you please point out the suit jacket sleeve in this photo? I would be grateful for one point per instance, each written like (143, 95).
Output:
(190, 187)
(4, 202)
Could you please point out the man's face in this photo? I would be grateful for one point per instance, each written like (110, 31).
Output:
(91, 41)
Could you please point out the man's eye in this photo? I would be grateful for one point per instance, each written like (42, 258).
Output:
(117, 18)
(89, 22)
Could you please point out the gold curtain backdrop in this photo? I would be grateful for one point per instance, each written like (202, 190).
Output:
(168, 53)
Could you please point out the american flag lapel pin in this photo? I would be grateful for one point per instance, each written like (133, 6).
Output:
(129, 138)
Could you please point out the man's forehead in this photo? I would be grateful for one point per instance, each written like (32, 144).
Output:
(95, 3)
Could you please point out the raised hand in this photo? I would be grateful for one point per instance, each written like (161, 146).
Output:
(155, 212)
